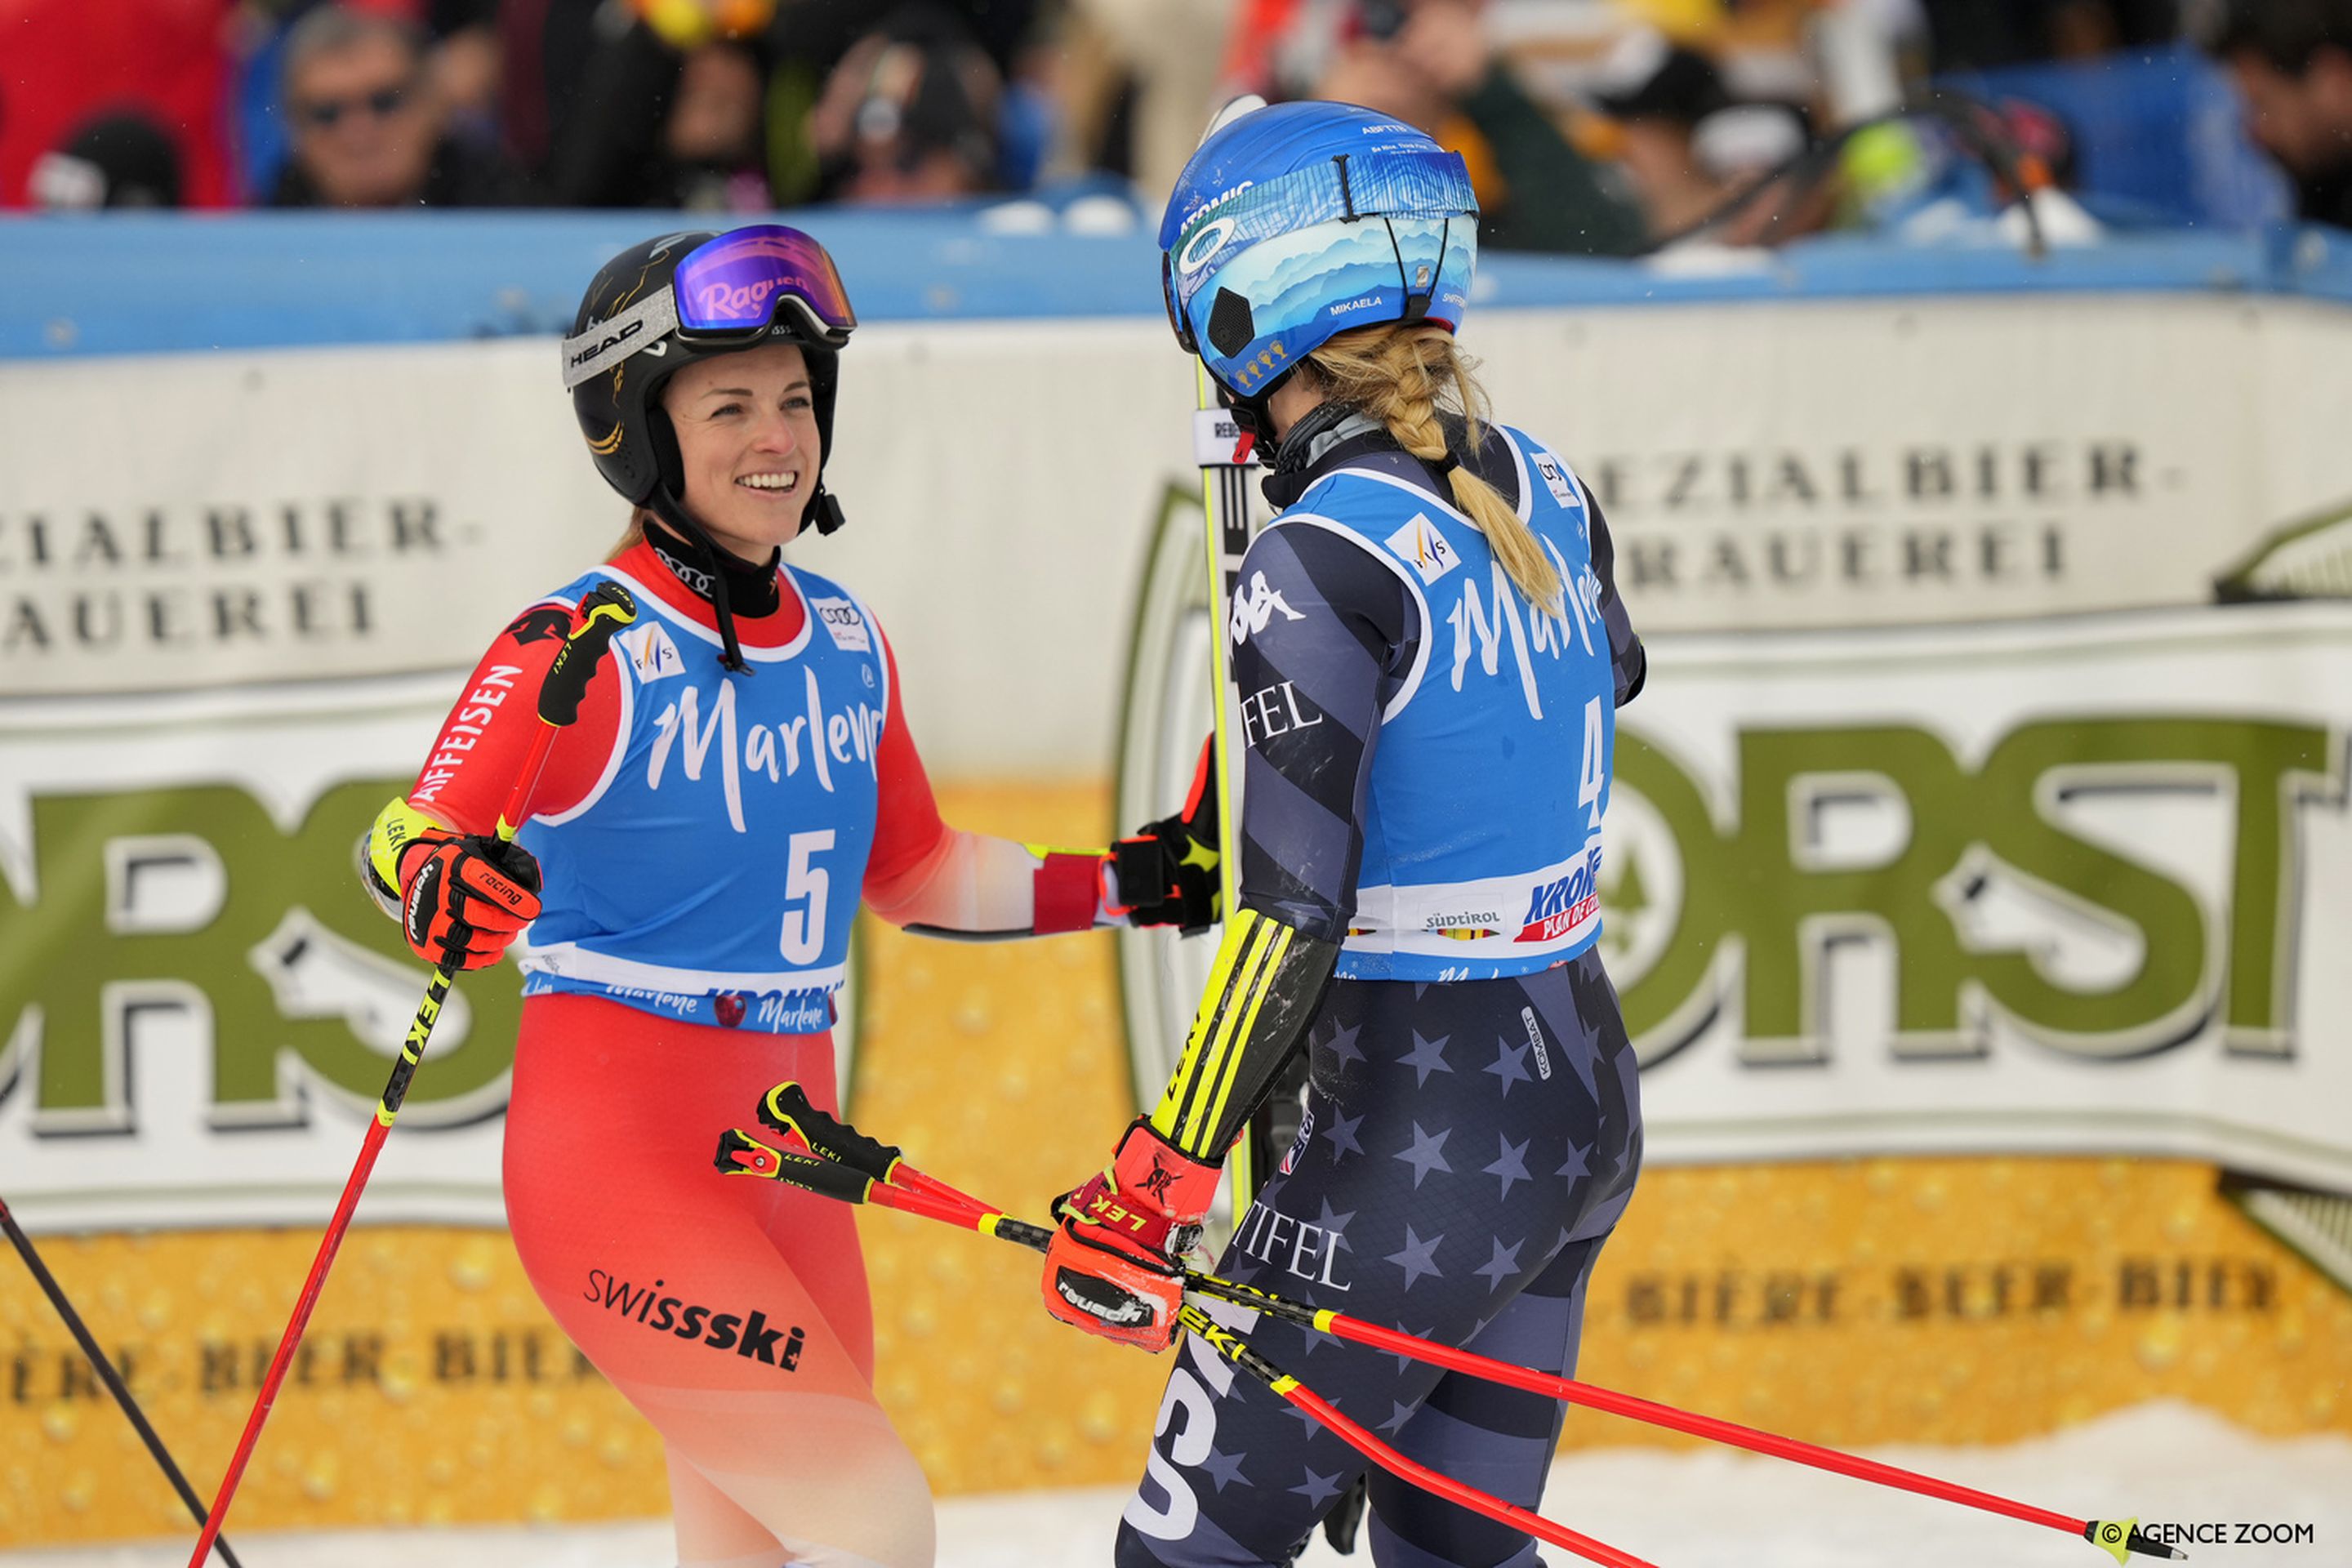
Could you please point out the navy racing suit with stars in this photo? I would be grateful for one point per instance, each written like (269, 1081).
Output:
(1425, 767)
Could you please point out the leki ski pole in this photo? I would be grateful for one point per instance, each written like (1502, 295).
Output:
(889, 1182)
(606, 610)
(742, 1154)
(107, 1375)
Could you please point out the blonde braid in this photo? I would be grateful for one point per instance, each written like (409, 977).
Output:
(1401, 374)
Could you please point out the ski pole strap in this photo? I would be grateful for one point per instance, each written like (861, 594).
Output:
(741, 1154)
(606, 609)
(788, 1109)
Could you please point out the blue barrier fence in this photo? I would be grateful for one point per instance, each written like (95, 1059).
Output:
(135, 284)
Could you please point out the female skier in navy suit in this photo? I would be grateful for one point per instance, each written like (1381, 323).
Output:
(1428, 654)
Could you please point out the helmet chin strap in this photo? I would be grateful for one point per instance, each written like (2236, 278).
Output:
(823, 511)
(681, 523)
(1254, 413)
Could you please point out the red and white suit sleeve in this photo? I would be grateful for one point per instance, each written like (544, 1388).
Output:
(926, 876)
(471, 769)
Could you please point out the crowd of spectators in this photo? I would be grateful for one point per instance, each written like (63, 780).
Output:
(1603, 127)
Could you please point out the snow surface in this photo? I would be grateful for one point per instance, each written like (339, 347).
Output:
(1699, 1509)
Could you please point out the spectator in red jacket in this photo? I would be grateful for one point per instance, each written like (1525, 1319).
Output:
(66, 63)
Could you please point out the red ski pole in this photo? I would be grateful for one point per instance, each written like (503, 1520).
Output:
(741, 1154)
(895, 1185)
(1411, 1471)
(2114, 1536)
(606, 610)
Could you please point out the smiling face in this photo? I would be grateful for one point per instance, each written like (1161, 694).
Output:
(747, 436)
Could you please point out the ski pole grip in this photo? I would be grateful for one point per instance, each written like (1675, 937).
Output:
(787, 1108)
(607, 608)
(741, 1154)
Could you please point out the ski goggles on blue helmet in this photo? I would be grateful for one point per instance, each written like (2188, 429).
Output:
(1345, 189)
(727, 292)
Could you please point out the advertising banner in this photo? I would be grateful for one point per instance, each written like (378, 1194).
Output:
(1880, 463)
(2049, 887)
(1978, 863)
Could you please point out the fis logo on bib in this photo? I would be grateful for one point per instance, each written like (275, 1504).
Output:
(1419, 546)
(651, 653)
(1555, 908)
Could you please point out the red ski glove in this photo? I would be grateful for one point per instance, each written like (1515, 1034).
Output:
(460, 897)
(1115, 1265)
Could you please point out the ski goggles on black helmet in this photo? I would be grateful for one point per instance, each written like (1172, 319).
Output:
(727, 292)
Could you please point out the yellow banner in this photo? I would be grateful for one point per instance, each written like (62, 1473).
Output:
(1852, 1302)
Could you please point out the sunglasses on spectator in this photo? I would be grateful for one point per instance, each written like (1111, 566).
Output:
(326, 111)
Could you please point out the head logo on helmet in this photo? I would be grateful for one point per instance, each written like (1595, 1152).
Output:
(1351, 219)
(628, 330)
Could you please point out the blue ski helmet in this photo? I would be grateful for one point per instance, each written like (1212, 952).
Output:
(1295, 223)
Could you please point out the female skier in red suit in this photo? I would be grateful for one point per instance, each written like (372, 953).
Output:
(741, 776)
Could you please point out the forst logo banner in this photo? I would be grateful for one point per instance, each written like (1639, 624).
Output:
(1941, 914)
(1994, 888)
(196, 987)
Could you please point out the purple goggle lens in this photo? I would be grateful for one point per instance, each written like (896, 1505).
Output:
(733, 286)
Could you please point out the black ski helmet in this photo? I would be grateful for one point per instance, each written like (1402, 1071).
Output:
(633, 331)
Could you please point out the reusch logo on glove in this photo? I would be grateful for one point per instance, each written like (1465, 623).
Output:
(423, 898)
(1102, 1300)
